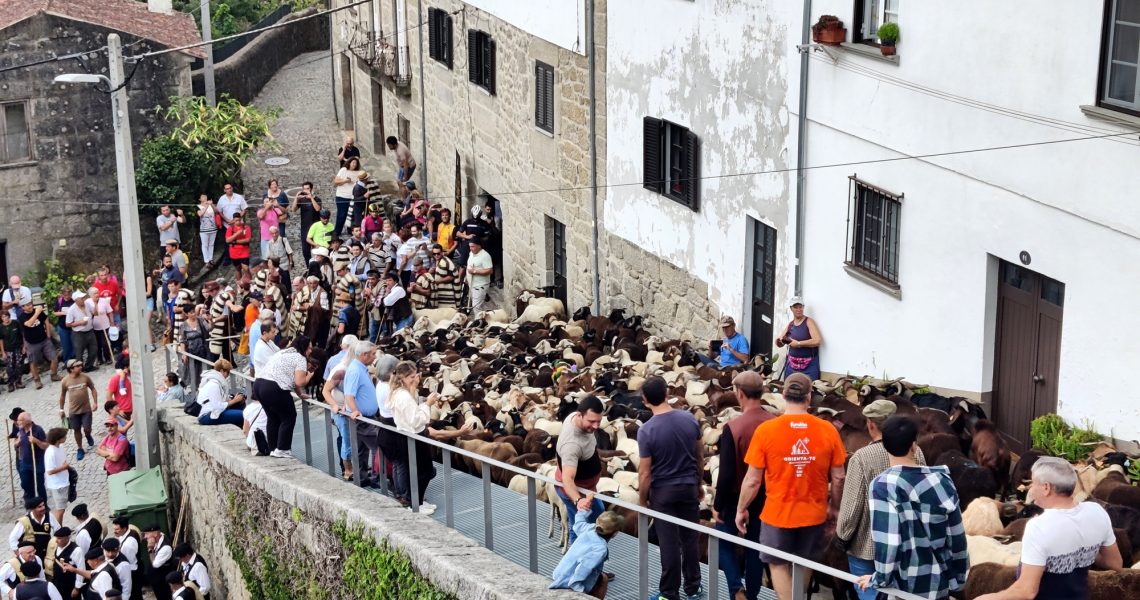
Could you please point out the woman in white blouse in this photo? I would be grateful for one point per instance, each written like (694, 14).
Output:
(412, 416)
(286, 372)
(216, 405)
(344, 181)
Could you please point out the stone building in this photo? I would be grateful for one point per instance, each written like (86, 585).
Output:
(57, 160)
(504, 87)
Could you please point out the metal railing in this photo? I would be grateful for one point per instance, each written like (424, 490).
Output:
(800, 565)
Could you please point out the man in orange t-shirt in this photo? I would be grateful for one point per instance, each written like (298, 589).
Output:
(793, 455)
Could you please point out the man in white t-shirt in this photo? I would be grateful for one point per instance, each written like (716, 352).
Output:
(480, 268)
(1063, 542)
(15, 296)
(229, 204)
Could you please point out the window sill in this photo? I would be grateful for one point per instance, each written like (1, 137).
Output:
(869, 51)
(549, 134)
(1112, 116)
(889, 289)
(18, 165)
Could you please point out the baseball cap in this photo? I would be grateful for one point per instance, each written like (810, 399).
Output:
(727, 320)
(77, 296)
(325, 213)
(796, 300)
(71, 364)
(880, 409)
(748, 381)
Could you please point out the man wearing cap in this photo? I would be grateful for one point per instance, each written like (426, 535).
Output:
(194, 569)
(80, 316)
(89, 532)
(397, 308)
(919, 506)
(732, 349)
(581, 569)
(35, 527)
(742, 567)
(794, 456)
(112, 551)
(82, 400)
(34, 586)
(130, 544)
(472, 228)
(62, 550)
(11, 574)
(853, 530)
(115, 449)
(161, 555)
(320, 232)
(802, 338)
(99, 578)
(480, 269)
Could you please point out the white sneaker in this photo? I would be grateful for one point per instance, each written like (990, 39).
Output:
(253, 451)
(427, 508)
(284, 454)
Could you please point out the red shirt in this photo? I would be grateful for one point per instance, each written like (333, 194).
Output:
(122, 395)
(109, 289)
(118, 445)
(240, 247)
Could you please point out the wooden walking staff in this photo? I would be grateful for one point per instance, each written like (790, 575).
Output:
(11, 464)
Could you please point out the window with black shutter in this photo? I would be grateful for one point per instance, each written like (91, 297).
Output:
(439, 36)
(875, 215)
(544, 96)
(671, 161)
(481, 59)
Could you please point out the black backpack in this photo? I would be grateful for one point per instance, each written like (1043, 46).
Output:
(72, 484)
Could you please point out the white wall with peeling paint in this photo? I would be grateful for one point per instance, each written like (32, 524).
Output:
(720, 69)
(1071, 205)
(560, 22)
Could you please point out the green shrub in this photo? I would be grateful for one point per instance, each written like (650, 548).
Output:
(169, 173)
(55, 277)
(888, 33)
(1053, 435)
(379, 572)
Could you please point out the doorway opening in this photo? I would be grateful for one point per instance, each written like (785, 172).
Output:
(762, 280)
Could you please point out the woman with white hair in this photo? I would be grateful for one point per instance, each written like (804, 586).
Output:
(333, 394)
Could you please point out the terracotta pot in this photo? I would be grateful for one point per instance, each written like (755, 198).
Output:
(830, 37)
(887, 50)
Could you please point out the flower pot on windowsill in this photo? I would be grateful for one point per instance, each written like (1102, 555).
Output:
(887, 48)
(829, 31)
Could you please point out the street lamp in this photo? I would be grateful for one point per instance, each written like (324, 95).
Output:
(142, 372)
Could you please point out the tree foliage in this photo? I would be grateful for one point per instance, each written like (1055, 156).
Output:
(225, 136)
(228, 17)
(169, 173)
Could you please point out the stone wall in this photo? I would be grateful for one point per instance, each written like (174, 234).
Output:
(68, 189)
(502, 152)
(245, 73)
(276, 529)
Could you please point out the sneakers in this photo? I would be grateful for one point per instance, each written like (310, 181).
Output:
(39, 384)
(79, 454)
(281, 454)
(90, 440)
(253, 451)
(426, 508)
(700, 593)
(56, 377)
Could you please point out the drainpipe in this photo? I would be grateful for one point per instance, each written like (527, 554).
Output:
(423, 168)
(332, 62)
(592, 87)
(801, 151)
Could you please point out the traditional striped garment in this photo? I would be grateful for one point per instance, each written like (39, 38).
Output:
(298, 312)
(185, 300)
(445, 294)
(420, 300)
(219, 315)
(260, 280)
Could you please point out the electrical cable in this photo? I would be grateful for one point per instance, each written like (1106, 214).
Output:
(44, 61)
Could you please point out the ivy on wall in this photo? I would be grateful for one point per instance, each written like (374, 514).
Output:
(380, 572)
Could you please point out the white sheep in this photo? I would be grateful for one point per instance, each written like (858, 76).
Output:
(538, 309)
(626, 478)
(983, 517)
(984, 549)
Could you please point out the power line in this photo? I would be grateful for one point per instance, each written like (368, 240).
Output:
(44, 61)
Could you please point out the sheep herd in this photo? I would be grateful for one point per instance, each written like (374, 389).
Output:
(517, 380)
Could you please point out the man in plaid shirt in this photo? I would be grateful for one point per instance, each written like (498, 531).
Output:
(916, 525)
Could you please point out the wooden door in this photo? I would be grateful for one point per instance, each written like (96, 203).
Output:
(1028, 350)
(763, 287)
(346, 92)
(558, 233)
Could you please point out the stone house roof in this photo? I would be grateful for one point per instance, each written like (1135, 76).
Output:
(128, 16)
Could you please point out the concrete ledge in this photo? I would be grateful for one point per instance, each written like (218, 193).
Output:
(198, 460)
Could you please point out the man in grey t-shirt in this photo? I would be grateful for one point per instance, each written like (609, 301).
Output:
(578, 460)
(168, 224)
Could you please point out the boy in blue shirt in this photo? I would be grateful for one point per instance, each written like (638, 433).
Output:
(581, 569)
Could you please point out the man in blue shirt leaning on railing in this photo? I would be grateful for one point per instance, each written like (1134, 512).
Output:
(581, 569)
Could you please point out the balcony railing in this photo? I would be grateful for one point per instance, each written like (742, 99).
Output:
(394, 63)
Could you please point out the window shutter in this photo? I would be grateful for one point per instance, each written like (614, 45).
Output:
(651, 154)
(473, 66)
(433, 33)
(548, 84)
(539, 101)
(445, 39)
(692, 173)
(489, 65)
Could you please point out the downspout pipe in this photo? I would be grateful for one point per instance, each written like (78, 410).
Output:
(423, 110)
(801, 151)
(592, 48)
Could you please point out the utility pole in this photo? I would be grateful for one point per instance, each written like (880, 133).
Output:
(208, 62)
(142, 372)
(423, 110)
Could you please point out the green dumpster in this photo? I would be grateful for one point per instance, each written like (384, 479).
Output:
(140, 495)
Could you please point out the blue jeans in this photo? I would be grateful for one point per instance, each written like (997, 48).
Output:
(862, 566)
(66, 352)
(342, 422)
(742, 566)
(230, 416)
(571, 509)
(373, 329)
(342, 205)
(32, 481)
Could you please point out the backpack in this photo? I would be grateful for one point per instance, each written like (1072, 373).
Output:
(72, 484)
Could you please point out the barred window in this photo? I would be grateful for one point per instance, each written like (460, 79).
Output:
(874, 215)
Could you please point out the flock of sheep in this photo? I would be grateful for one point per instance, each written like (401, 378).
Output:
(516, 382)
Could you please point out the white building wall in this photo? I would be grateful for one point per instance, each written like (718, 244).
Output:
(560, 22)
(719, 69)
(1070, 205)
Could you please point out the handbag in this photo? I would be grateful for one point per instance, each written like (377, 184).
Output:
(217, 219)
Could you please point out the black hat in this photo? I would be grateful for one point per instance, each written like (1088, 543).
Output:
(111, 543)
(26, 544)
(183, 549)
(174, 577)
(94, 554)
(31, 503)
(151, 528)
(121, 521)
(113, 593)
(62, 532)
(15, 413)
(30, 569)
(79, 510)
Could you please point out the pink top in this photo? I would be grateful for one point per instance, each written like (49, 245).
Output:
(268, 220)
(119, 446)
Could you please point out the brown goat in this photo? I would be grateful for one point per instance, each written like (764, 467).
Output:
(989, 450)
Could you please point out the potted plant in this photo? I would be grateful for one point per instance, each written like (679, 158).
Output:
(829, 31)
(888, 37)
